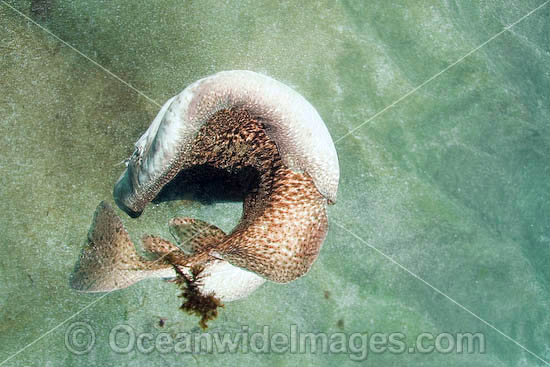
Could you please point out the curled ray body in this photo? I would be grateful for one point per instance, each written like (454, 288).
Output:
(263, 139)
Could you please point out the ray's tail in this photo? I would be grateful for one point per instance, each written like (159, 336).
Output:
(110, 261)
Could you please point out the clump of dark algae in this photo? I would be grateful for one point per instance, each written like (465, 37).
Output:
(203, 306)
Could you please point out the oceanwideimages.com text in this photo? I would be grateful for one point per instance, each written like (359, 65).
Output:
(80, 338)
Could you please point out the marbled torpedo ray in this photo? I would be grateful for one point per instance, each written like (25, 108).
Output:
(250, 134)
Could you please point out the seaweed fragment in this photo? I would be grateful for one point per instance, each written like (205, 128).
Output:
(203, 306)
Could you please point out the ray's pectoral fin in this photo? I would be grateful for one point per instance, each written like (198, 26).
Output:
(109, 261)
(195, 235)
(165, 251)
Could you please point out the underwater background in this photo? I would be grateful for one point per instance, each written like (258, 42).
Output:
(450, 180)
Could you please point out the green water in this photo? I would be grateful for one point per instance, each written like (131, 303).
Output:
(451, 182)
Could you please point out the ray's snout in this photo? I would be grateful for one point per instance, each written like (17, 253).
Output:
(122, 192)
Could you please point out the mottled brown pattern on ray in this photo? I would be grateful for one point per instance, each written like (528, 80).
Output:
(284, 218)
(109, 260)
(165, 250)
(196, 235)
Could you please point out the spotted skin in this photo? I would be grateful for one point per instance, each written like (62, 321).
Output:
(195, 235)
(284, 218)
(164, 250)
(279, 236)
(110, 261)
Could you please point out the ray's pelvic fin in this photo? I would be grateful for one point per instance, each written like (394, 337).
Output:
(195, 235)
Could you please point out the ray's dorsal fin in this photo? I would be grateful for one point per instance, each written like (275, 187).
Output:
(109, 261)
(196, 236)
